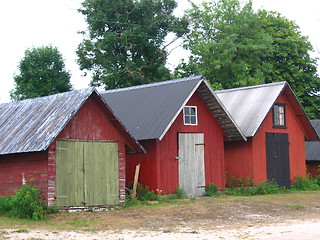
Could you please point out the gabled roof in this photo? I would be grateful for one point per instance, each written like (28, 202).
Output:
(249, 106)
(31, 125)
(313, 148)
(149, 110)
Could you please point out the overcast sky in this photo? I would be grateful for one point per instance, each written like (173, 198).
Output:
(32, 23)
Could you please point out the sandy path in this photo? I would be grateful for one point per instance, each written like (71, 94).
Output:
(305, 230)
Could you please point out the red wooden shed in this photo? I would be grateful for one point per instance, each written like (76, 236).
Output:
(313, 151)
(276, 128)
(71, 144)
(182, 126)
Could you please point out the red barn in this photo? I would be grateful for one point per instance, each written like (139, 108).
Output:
(313, 152)
(71, 144)
(182, 126)
(276, 128)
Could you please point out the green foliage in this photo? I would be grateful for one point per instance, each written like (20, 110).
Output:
(267, 187)
(295, 207)
(211, 189)
(181, 193)
(145, 194)
(26, 203)
(5, 204)
(305, 183)
(234, 46)
(125, 42)
(42, 73)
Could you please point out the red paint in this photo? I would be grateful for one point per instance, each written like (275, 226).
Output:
(313, 168)
(159, 168)
(92, 122)
(245, 159)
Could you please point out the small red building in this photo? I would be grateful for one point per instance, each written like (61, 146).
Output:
(313, 152)
(182, 126)
(276, 128)
(71, 144)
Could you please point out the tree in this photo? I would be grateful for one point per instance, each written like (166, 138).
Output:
(234, 46)
(42, 73)
(125, 45)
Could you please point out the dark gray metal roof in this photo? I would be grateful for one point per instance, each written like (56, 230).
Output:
(249, 105)
(149, 110)
(32, 124)
(313, 148)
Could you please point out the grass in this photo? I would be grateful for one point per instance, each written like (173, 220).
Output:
(222, 210)
(295, 207)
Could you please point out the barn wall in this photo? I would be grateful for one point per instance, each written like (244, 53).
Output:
(296, 144)
(91, 123)
(159, 167)
(32, 165)
(167, 148)
(148, 166)
(313, 168)
(238, 160)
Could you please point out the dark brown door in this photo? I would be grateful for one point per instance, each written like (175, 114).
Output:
(278, 167)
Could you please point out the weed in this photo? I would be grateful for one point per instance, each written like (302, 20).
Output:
(21, 231)
(211, 190)
(181, 193)
(27, 203)
(78, 223)
(267, 187)
(304, 184)
(295, 207)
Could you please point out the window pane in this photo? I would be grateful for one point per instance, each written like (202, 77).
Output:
(186, 110)
(193, 120)
(193, 111)
(186, 120)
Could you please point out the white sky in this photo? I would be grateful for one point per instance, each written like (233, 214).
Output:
(33, 23)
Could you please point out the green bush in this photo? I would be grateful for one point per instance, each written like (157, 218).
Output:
(181, 193)
(211, 190)
(145, 194)
(27, 203)
(5, 204)
(266, 187)
(305, 183)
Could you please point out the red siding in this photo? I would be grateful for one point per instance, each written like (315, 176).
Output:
(159, 168)
(238, 159)
(313, 168)
(255, 166)
(32, 165)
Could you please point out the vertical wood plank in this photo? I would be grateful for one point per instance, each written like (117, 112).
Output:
(191, 163)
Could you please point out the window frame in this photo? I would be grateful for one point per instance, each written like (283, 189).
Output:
(284, 125)
(190, 115)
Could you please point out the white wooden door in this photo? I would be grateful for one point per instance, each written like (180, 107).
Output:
(191, 163)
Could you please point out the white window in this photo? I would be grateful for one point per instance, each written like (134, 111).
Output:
(190, 115)
(279, 117)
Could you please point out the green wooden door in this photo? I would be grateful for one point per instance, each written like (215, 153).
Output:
(86, 173)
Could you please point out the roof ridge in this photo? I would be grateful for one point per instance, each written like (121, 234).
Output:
(251, 87)
(197, 77)
(48, 96)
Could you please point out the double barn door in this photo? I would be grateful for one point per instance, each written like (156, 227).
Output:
(86, 173)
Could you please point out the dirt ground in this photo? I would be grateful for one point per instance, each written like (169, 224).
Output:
(279, 216)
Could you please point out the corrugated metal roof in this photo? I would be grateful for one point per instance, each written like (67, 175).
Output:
(31, 125)
(313, 148)
(149, 110)
(249, 105)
